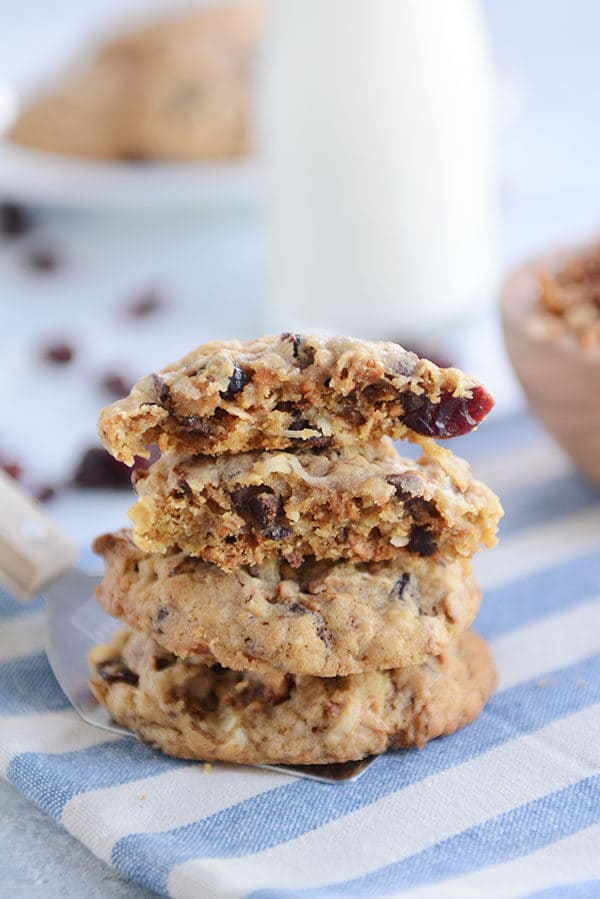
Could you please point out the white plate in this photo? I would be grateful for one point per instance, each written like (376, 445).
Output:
(29, 176)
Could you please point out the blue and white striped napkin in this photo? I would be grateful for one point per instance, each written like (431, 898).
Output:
(508, 807)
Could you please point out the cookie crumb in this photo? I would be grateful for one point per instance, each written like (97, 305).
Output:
(207, 767)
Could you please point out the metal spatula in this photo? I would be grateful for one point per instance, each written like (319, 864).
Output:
(36, 557)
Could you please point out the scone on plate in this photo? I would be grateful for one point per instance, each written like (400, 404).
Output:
(178, 89)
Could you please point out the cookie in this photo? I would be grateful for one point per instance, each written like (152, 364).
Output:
(323, 618)
(177, 89)
(79, 118)
(196, 711)
(192, 95)
(291, 392)
(361, 503)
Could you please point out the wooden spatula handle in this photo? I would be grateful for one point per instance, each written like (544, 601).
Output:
(33, 550)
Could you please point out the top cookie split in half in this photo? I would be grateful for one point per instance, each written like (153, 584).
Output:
(293, 391)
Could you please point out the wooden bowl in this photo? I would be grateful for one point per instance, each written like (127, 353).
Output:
(560, 379)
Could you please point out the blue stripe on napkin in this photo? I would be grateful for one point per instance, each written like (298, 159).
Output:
(533, 825)
(291, 810)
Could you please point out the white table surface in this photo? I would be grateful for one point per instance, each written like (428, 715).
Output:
(209, 268)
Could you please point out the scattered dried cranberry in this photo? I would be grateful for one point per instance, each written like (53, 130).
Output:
(44, 493)
(147, 303)
(115, 384)
(12, 470)
(60, 353)
(15, 221)
(451, 417)
(43, 259)
(97, 468)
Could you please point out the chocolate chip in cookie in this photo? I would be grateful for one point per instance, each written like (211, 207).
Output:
(422, 541)
(115, 671)
(237, 382)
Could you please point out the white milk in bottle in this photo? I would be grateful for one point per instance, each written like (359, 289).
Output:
(376, 120)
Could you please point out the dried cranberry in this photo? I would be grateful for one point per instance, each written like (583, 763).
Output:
(44, 259)
(115, 384)
(60, 353)
(98, 469)
(45, 493)
(452, 416)
(12, 470)
(15, 221)
(237, 381)
(147, 303)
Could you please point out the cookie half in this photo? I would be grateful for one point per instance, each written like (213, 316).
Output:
(361, 503)
(291, 392)
(199, 711)
(322, 618)
(179, 88)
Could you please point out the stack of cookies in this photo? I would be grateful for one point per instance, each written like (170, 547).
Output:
(294, 590)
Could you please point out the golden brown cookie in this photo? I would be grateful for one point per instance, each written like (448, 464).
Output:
(291, 392)
(363, 503)
(323, 618)
(195, 711)
(83, 117)
(177, 89)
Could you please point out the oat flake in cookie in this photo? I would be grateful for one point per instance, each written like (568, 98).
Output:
(201, 711)
(361, 503)
(291, 392)
(323, 618)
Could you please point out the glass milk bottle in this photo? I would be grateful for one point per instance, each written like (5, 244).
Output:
(376, 120)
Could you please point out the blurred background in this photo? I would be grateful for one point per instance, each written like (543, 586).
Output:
(372, 169)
